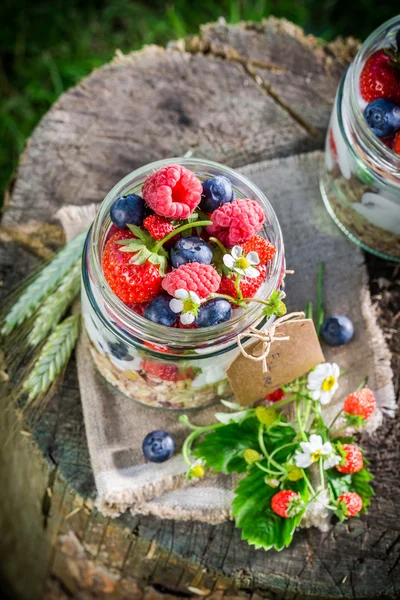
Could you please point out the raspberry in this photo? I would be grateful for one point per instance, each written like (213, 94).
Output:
(166, 372)
(158, 227)
(248, 285)
(264, 248)
(172, 192)
(131, 283)
(361, 403)
(283, 501)
(352, 502)
(236, 222)
(193, 277)
(353, 460)
(275, 396)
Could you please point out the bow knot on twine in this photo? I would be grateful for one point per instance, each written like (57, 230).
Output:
(267, 337)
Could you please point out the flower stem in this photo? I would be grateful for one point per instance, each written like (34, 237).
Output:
(260, 466)
(336, 418)
(265, 451)
(320, 308)
(308, 483)
(237, 286)
(321, 473)
(170, 235)
(197, 432)
(299, 420)
(279, 449)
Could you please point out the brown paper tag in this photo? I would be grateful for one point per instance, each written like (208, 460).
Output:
(287, 360)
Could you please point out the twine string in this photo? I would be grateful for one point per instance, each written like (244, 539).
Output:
(267, 337)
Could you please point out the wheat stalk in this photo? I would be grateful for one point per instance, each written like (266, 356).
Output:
(52, 358)
(43, 284)
(55, 306)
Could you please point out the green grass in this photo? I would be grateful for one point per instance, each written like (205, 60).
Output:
(48, 46)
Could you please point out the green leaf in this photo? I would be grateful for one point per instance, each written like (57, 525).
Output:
(222, 449)
(260, 526)
(360, 484)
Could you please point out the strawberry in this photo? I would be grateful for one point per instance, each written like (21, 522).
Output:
(361, 403)
(275, 396)
(286, 503)
(396, 145)
(380, 77)
(264, 248)
(351, 503)
(131, 283)
(157, 226)
(248, 285)
(352, 460)
(166, 372)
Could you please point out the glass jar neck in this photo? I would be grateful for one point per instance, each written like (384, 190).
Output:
(365, 146)
(131, 323)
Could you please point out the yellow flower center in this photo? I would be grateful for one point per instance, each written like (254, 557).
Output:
(315, 455)
(188, 305)
(242, 263)
(197, 471)
(328, 383)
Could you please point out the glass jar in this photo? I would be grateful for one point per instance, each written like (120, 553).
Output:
(160, 366)
(360, 177)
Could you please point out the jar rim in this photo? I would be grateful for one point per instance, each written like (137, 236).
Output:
(366, 138)
(139, 326)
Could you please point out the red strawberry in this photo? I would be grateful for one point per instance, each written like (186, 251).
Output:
(286, 503)
(396, 145)
(166, 372)
(380, 78)
(248, 285)
(352, 461)
(352, 503)
(275, 396)
(131, 283)
(264, 248)
(157, 226)
(361, 403)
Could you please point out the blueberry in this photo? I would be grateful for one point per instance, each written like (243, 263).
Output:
(216, 192)
(126, 210)
(158, 310)
(158, 446)
(383, 117)
(190, 249)
(337, 330)
(119, 350)
(213, 312)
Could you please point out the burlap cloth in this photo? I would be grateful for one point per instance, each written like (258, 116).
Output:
(116, 426)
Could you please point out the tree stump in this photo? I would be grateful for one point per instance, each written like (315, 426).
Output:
(235, 94)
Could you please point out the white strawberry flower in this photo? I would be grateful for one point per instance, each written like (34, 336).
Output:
(187, 304)
(244, 265)
(323, 382)
(314, 450)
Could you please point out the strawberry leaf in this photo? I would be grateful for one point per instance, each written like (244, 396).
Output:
(223, 449)
(141, 234)
(260, 526)
(360, 484)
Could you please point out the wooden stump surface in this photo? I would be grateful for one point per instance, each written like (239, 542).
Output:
(234, 94)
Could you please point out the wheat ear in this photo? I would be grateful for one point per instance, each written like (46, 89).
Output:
(43, 284)
(53, 358)
(56, 305)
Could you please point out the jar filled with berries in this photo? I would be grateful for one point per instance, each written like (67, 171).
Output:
(184, 255)
(360, 178)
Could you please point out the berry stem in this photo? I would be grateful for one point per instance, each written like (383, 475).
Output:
(237, 286)
(299, 420)
(265, 451)
(170, 235)
(279, 449)
(320, 307)
(275, 473)
(336, 418)
(308, 483)
(219, 244)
